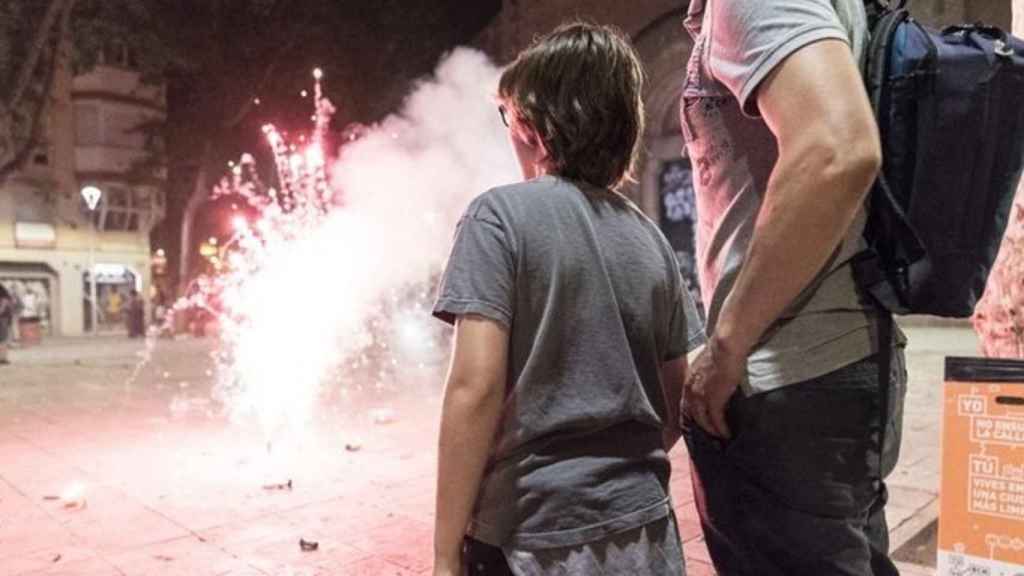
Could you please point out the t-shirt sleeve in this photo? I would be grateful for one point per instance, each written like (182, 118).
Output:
(686, 330)
(750, 38)
(480, 275)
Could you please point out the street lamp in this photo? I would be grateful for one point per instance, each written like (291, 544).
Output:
(92, 195)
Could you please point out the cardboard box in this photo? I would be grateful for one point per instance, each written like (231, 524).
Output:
(981, 520)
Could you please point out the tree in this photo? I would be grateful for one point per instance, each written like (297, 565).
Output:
(216, 58)
(28, 46)
(238, 52)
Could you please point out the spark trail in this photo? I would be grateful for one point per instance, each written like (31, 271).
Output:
(331, 281)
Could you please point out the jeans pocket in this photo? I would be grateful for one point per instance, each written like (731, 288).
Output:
(738, 416)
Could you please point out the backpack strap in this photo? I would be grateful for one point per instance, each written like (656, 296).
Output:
(892, 245)
(875, 9)
(882, 27)
(885, 4)
(882, 269)
(885, 345)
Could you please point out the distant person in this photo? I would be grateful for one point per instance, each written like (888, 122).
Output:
(29, 302)
(6, 322)
(571, 327)
(160, 310)
(135, 317)
(114, 305)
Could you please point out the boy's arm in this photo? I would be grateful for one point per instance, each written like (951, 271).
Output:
(473, 399)
(673, 374)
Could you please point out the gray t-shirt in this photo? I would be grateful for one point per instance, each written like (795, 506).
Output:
(737, 44)
(592, 295)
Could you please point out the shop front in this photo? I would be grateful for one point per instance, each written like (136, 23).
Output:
(115, 284)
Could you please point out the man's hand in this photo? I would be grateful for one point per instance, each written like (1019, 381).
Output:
(714, 376)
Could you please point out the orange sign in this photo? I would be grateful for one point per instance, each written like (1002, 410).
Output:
(981, 521)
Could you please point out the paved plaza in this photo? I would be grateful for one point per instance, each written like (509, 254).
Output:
(116, 460)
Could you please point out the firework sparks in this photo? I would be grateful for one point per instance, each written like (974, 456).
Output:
(328, 276)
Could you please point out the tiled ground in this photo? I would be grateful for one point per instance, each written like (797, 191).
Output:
(171, 488)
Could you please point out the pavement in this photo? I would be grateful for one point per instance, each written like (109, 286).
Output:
(116, 460)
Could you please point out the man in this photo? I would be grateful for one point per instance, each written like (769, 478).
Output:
(783, 405)
(6, 322)
(571, 323)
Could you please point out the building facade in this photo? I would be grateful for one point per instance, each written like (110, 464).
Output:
(97, 133)
(664, 189)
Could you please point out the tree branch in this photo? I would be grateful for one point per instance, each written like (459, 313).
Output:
(268, 72)
(18, 158)
(38, 45)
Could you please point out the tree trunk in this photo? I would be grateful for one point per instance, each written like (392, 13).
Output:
(198, 197)
(12, 154)
(53, 11)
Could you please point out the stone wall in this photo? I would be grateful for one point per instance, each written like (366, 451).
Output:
(991, 12)
(522, 20)
(941, 13)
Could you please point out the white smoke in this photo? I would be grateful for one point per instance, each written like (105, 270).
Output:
(312, 305)
(415, 174)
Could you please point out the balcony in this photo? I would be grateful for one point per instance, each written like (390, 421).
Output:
(107, 159)
(110, 83)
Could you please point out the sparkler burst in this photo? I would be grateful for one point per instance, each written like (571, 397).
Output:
(329, 277)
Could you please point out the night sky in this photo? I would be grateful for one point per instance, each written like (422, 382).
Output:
(371, 54)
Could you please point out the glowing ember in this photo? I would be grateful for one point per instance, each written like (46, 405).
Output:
(73, 496)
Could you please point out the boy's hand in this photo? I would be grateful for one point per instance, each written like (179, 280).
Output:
(448, 566)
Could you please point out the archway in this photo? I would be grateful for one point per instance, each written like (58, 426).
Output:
(665, 187)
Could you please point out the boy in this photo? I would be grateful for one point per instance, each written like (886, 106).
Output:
(571, 324)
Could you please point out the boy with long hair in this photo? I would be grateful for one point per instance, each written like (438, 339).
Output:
(571, 327)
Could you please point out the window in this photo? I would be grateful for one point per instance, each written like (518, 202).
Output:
(123, 209)
(119, 55)
(679, 217)
(87, 125)
(41, 157)
(32, 206)
(123, 130)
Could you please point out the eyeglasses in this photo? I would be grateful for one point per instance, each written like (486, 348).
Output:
(504, 115)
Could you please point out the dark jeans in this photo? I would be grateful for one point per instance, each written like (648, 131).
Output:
(798, 489)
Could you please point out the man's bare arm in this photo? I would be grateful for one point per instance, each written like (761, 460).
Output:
(829, 154)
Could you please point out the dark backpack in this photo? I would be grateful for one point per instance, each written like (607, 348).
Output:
(950, 109)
